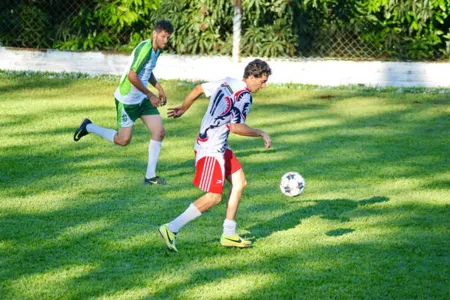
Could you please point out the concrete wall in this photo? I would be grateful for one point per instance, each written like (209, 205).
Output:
(304, 71)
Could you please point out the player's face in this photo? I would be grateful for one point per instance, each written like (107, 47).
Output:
(254, 84)
(160, 39)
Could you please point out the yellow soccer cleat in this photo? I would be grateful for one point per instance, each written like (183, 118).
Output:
(234, 241)
(154, 180)
(168, 237)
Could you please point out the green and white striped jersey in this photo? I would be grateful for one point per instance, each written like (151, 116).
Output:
(142, 61)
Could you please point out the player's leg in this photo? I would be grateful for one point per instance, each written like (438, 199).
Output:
(236, 177)
(238, 183)
(170, 230)
(123, 136)
(209, 176)
(155, 126)
(207, 201)
(87, 127)
(126, 116)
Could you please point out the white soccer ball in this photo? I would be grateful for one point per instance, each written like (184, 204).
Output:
(292, 184)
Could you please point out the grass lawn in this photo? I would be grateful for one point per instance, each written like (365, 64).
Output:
(76, 222)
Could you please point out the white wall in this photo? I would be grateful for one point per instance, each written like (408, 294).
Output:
(304, 71)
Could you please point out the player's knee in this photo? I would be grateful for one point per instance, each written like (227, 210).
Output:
(159, 134)
(215, 199)
(162, 133)
(240, 185)
(123, 141)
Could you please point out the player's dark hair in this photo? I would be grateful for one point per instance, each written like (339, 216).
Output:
(257, 68)
(163, 25)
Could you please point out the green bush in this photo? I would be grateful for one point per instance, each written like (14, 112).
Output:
(107, 24)
(206, 26)
(406, 29)
(399, 29)
(392, 29)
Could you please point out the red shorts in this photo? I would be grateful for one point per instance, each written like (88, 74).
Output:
(211, 171)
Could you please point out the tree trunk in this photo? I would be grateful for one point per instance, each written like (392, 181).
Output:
(237, 30)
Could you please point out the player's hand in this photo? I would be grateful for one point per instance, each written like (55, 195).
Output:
(175, 112)
(162, 100)
(267, 140)
(154, 100)
(162, 97)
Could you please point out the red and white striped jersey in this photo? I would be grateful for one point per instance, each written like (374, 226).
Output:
(230, 102)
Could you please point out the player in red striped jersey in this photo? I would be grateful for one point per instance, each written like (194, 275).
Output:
(230, 102)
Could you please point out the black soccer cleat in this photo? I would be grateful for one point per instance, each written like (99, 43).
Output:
(81, 131)
(154, 180)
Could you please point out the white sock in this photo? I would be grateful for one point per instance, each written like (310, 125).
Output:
(229, 227)
(153, 154)
(189, 214)
(106, 133)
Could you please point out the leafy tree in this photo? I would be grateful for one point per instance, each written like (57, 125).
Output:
(393, 29)
(407, 29)
(106, 24)
(413, 29)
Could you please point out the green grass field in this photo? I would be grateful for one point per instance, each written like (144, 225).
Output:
(76, 222)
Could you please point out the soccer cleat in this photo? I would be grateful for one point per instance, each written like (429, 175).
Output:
(168, 237)
(81, 131)
(234, 241)
(154, 180)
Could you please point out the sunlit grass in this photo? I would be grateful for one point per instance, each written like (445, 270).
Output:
(76, 222)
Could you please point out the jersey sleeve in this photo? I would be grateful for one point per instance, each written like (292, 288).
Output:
(141, 56)
(210, 87)
(241, 107)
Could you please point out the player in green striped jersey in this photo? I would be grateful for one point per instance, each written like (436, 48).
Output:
(134, 100)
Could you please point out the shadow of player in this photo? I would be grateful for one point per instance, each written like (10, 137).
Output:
(331, 209)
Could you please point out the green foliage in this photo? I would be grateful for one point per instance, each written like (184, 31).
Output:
(201, 27)
(24, 24)
(34, 26)
(396, 29)
(406, 29)
(267, 29)
(107, 24)
(400, 29)
(205, 27)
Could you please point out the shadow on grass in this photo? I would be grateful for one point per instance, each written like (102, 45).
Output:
(339, 232)
(330, 209)
(35, 83)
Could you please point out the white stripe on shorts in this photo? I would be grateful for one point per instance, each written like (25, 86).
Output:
(205, 181)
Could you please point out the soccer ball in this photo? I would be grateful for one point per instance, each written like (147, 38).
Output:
(292, 184)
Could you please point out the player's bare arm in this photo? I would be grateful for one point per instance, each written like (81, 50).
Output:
(245, 130)
(134, 79)
(178, 111)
